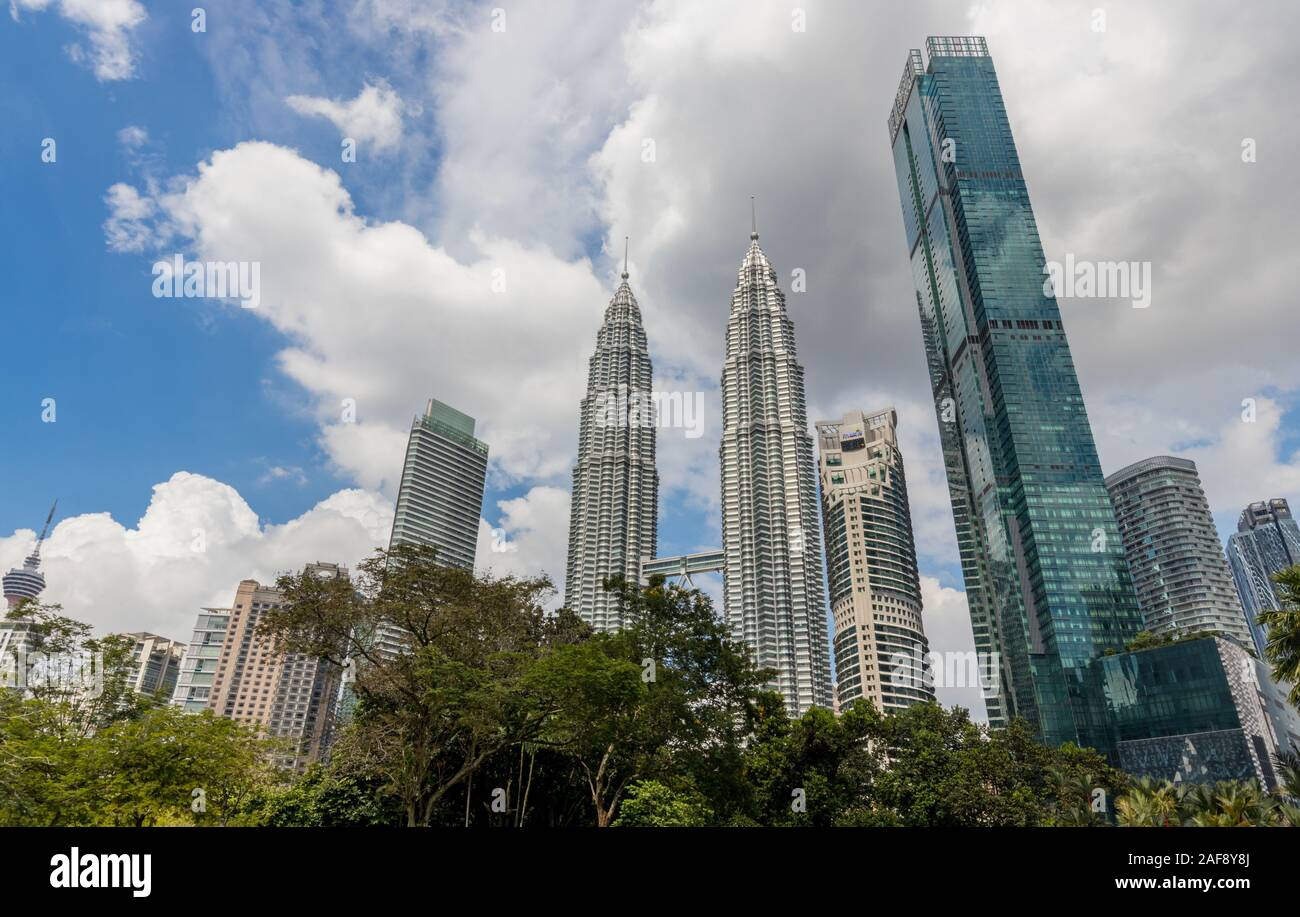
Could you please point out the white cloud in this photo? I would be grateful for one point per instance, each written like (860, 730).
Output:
(133, 137)
(196, 541)
(543, 134)
(108, 25)
(374, 117)
(531, 538)
(375, 313)
(280, 473)
(128, 227)
(946, 618)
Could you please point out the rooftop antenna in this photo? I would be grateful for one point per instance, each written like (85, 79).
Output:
(625, 257)
(45, 529)
(753, 218)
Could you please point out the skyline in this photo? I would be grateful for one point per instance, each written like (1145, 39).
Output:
(142, 434)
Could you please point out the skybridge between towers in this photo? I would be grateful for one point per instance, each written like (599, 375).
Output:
(683, 567)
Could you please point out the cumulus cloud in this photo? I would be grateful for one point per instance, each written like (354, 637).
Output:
(503, 336)
(659, 121)
(530, 539)
(195, 542)
(108, 25)
(946, 618)
(277, 474)
(129, 227)
(374, 117)
(133, 137)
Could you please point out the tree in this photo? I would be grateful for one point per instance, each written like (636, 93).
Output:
(1149, 804)
(429, 716)
(668, 694)
(166, 764)
(322, 798)
(1282, 647)
(653, 804)
(1226, 804)
(35, 766)
(83, 681)
(599, 716)
(819, 770)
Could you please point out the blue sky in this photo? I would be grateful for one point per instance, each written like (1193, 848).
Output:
(522, 150)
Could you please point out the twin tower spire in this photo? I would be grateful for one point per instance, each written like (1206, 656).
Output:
(772, 572)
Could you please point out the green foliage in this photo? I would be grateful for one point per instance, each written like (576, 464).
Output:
(428, 718)
(923, 766)
(140, 771)
(498, 714)
(1282, 648)
(1146, 640)
(652, 804)
(664, 695)
(321, 798)
(1228, 804)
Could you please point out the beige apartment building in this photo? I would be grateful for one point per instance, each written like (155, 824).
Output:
(881, 653)
(288, 695)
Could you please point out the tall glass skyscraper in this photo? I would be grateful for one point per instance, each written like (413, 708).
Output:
(771, 534)
(439, 500)
(1266, 542)
(1043, 562)
(1173, 548)
(441, 494)
(613, 519)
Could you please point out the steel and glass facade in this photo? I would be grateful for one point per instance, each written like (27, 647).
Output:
(771, 533)
(614, 514)
(1198, 710)
(441, 493)
(1044, 567)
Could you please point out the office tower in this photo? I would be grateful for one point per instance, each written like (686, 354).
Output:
(288, 696)
(1197, 710)
(157, 664)
(27, 581)
(1266, 542)
(202, 656)
(441, 493)
(439, 499)
(772, 574)
(880, 648)
(1174, 553)
(1046, 579)
(614, 507)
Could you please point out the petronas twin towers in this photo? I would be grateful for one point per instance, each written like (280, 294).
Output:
(771, 537)
(615, 501)
(772, 572)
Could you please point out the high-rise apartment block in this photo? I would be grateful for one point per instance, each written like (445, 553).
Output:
(198, 670)
(1266, 542)
(880, 648)
(288, 696)
(157, 664)
(771, 533)
(1044, 567)
(615, 496)
(1173, 548)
